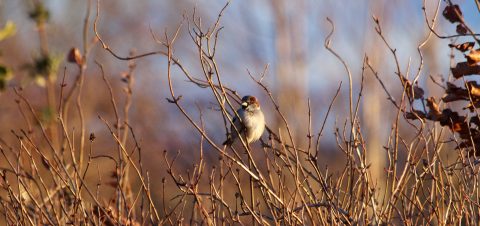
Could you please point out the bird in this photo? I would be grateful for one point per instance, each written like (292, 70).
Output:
(251, 123)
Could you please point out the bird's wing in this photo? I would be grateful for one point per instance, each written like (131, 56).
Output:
(238, 124)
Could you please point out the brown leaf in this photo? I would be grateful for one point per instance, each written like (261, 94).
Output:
(415, 114)
(452, 97)
(416, 93)
(473, 57)
(465, 144)
(461, 29)
(434, 113)
(460, 127)
(473, 94)
(471, 142)
(454, 93)
(474, 88)
(451, 86)
(453, 13)
(74, 56)
(475, 120)
(408, 86)
(464, 68)
(463, 47)
(473, 106)
(450, 118)
(468, 133)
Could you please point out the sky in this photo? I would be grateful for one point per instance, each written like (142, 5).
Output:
(247, 40)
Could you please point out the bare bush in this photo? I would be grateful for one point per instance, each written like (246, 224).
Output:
(55, 171)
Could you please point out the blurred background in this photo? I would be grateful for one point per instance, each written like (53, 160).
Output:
(288, 36)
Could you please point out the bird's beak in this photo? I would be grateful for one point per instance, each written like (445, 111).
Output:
(244, 104)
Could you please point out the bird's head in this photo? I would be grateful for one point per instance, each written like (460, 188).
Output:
(250, 103)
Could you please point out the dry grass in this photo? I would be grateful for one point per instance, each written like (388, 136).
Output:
(55, 174)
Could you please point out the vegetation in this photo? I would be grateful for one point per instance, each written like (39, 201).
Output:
(59, 168)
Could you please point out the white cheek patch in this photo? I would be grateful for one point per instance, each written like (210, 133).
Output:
(244, 104)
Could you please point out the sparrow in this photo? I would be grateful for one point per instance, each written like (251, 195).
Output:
(251, 123)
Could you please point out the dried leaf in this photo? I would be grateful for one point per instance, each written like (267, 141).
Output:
(452, 97)
(454, 93)
(449, 118)
(74, 56)
(463, 47)
(461, 29)
(474, 88)
(473, 106)
(468, 133)
(417, 92)
(451, 86)
(415, 114)
(468, 144)
(475, 120)
(459, 127)
(473, 57)
(465, 144)
(473, 94)
(434, 113)
(453, 13)
(464, 68)
(432, 104)
(470, 107)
